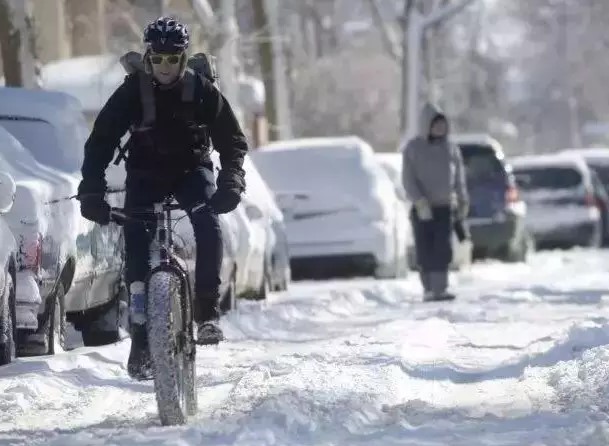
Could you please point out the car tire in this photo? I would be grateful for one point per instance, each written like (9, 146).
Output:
(8, 350)
(94, 332)
(52, 328)
(58, 325)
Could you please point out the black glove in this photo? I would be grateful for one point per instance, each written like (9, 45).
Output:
(230, 185)
(224, 200)
(93, 205)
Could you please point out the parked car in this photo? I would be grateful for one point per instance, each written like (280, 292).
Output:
(339, 207)
(262, 210)
(597, 160)
(559, 191)
(497, 214)
(462, 250)
(68, 263)
(8, 280)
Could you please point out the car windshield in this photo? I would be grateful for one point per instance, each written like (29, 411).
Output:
(481, 163)
(547, 177)
(37, 136)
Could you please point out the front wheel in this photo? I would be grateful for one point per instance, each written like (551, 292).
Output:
(171, 348)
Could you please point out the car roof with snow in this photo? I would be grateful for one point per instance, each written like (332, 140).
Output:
(550, 160)
(328, 164)
(595, 153)
(62, 146)
(345, 142)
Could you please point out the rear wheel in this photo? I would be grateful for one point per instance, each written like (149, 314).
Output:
(7, 324)
(171, 349)
(58, 323)
(50, 337)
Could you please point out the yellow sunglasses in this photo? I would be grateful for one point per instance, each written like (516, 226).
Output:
(172, 59)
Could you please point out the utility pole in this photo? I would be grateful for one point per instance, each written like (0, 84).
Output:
(273, 67)
(417, 24)
(227, 56)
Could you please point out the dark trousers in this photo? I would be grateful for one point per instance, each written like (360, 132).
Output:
(194, 187)
(433, 240)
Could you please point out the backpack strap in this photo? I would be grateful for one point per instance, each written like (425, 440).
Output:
(188, 86)
(147, 100)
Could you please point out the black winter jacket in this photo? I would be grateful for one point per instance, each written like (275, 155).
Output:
(169, 133)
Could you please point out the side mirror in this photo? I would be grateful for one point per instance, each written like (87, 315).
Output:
(253, 212)
(7, 192)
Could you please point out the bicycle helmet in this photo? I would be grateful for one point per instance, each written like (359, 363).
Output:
(166, 35)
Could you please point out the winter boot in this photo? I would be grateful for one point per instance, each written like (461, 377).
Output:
(438, 281)
(139, 365)
(206, 314)
(209, 333)
(425, 283)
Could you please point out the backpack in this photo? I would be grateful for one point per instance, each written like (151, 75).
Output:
(198, 66)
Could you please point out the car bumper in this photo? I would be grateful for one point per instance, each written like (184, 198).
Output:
(491, 234)
(317, 267)
(575, 234)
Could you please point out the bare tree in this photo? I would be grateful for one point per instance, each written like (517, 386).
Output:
(87, 24)
(17, 43)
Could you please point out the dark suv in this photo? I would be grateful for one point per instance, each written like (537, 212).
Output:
(497, 214)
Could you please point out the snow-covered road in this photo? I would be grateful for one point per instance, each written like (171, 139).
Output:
(521, 358)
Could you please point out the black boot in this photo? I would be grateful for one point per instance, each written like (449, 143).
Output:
(206, 315)
(139, 365)
(439, 285)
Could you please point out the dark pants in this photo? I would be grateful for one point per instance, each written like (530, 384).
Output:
(433, 240)
(190, 189)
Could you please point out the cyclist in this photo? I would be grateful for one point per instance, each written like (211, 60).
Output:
(167, 154)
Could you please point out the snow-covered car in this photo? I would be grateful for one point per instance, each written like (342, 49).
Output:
(250, 240)
(338, 204)
(8, 269)
(462, 251)
(561, 209)
(263, 212)
(69, 268)
(497, 213)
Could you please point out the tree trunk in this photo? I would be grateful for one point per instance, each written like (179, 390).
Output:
(17, 43)
(88, 26)
(265, 50)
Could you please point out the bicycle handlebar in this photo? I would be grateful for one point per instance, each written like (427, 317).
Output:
(121, 215)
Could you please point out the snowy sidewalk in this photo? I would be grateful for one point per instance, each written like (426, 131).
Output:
(518, 359)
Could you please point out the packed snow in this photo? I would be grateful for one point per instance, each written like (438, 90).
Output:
(521, 358)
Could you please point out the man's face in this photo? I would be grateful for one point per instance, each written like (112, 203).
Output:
(439, 128)
(166, 67)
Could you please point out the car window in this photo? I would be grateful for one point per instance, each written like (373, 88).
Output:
(547, 177)
(37, 136)
(481, 163)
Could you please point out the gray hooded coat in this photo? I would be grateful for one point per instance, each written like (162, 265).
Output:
(433, 169)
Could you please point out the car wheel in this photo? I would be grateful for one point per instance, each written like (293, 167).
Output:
(52, 328)
(57, 323)
(7, 325)
(103, 328)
